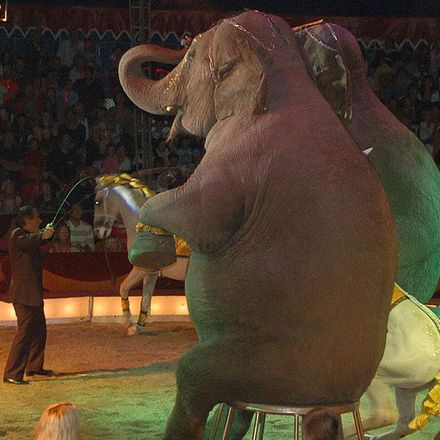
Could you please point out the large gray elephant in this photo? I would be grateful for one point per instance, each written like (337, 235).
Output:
(408, 172)
(294, 247)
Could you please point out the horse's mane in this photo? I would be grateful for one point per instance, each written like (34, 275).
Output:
(125, 179)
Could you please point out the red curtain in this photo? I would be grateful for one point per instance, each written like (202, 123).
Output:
(84, 274)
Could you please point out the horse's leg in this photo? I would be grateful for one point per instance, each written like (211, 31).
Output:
(149, 282)
(382, 408)
(133, 278)
(405, 399)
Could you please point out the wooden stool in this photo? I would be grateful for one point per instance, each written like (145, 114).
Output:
(261, 410)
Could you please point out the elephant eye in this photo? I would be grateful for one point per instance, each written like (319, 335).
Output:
(224, 71)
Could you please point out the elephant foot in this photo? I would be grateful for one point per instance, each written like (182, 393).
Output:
(151, 250)
(134, 330)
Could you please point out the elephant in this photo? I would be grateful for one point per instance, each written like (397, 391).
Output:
(408, 173)
(290, 229)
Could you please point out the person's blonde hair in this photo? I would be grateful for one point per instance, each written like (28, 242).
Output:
(59, 421)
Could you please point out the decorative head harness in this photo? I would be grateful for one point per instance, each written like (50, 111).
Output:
(270, 48)
(306, 29)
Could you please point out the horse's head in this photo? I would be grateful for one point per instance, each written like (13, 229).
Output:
(106, 211)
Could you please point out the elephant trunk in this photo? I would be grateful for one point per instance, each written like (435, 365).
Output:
(149, 95)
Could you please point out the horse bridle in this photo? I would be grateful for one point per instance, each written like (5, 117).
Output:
(107, 217)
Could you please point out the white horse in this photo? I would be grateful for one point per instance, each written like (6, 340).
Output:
(120, 200)
(410, 364)
(412, 352)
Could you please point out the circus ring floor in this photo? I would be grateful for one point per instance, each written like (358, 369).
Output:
(124, 387)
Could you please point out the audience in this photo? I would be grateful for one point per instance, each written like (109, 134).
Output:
(67, 116)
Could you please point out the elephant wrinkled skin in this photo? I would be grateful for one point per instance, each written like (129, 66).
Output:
(294, 247)
(409, 175)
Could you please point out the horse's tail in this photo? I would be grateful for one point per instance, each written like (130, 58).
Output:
(431, 406)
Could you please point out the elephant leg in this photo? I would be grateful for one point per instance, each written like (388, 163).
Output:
(240, 426)
(207, 374)
(405, 399)
(382, 408)
(149, 282)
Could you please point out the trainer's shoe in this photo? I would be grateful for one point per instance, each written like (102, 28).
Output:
(15, 381)
(41, 372)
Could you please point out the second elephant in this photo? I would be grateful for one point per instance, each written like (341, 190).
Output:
(409, 175)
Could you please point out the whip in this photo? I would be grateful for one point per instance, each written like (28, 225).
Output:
(53, 223)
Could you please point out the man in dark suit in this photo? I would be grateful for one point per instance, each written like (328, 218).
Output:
(27, 349)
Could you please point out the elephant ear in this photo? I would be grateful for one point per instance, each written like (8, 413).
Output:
(240, 80)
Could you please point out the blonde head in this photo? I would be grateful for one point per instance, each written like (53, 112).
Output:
(58, 422)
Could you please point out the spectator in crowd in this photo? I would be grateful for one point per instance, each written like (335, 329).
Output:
(10, 201)
(6, 59)
(58, 422)
(73, 128)
(47, 143)
(383, 76)
(429, 93)
(34, 51)
(123, 116)
(92, 150)
(163, 151)
(22, 75)
(173, 159)
(50, 80)
(46, 202)
(67, 95)
(435, 59)
(62, 162)
(426, 130)
(9, 83)
(110, 164)
(407, 73)
(81, 232)
(82, 118)
(124, 162)
(91, 55)
(30, 104)
(89, 89)
(61, 240)
(11, 157)
(54, 104)
(70, 48)
(30, 190)
(78, 69)
(47, 122)
(320, 424)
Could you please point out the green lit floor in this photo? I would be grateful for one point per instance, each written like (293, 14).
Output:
(123, 387)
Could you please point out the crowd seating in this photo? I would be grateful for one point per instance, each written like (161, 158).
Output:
(63, 114)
